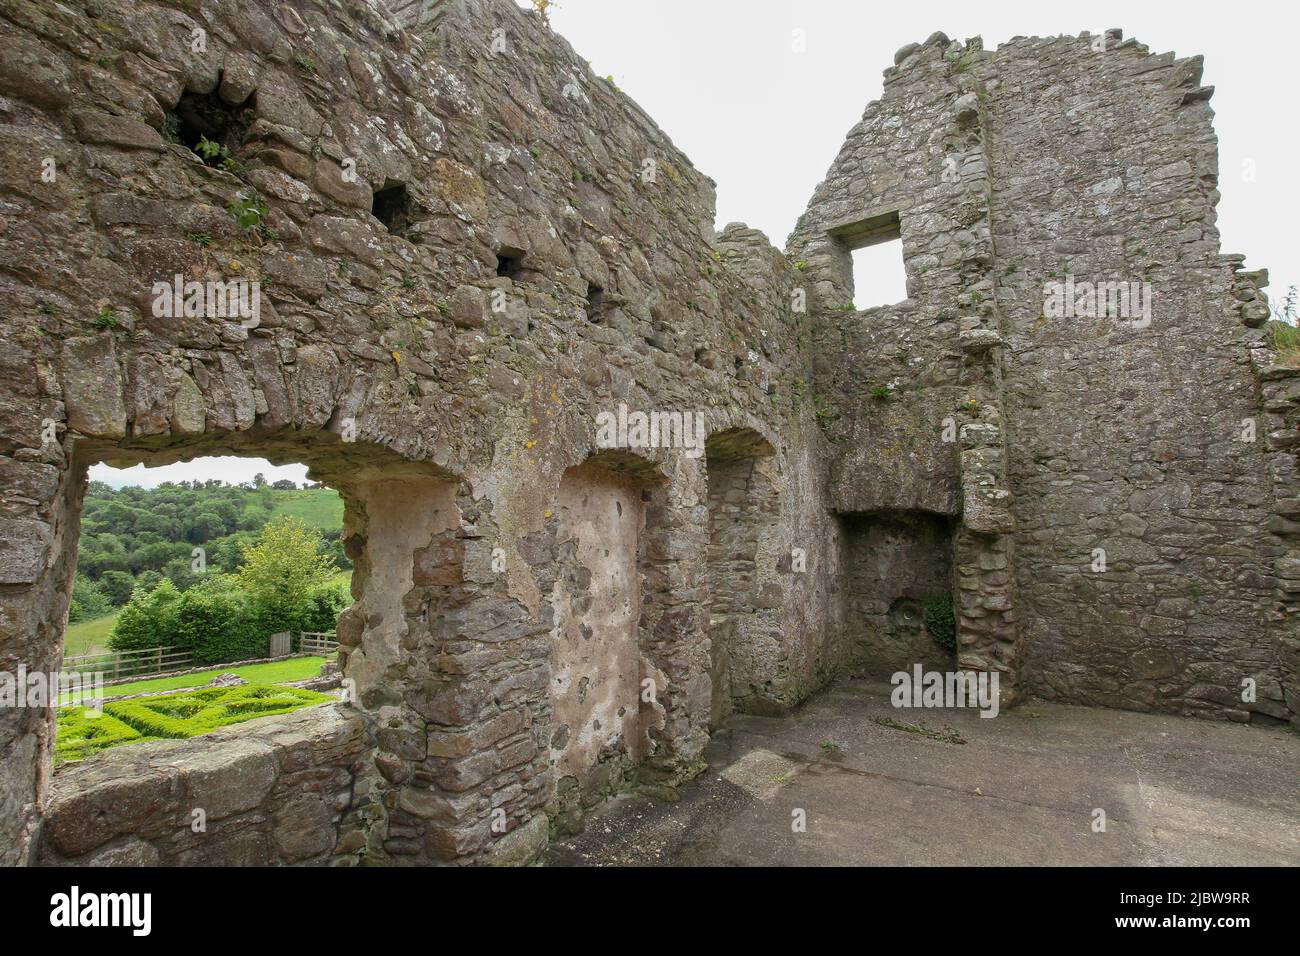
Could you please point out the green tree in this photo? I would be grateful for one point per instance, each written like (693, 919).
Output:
(204, 527)
(148, 580)
(148, 620)
(281, 570)
(215, 623)
(117, 587)
(88, 601)
(155, 555)
(180, 572)
(323, 606)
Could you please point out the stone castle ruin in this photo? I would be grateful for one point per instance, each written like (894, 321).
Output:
(467, 248)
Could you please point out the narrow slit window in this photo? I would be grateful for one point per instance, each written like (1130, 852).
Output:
(595, 304)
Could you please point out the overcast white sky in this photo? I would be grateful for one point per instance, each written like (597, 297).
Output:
(721, 78)
(232, 470)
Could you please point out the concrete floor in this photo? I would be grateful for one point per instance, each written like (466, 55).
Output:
(1021, 790)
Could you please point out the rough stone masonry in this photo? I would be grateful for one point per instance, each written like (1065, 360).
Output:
(466, 248)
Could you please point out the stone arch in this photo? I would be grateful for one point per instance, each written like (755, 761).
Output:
(394, 507)
(603, 726)
(743, 508)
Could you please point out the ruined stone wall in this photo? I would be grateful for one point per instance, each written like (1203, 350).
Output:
(1127, 440)
(468, 247)
(886, 375)
(272, 793)
(745, 569)
(601, 729)
(1073, 440)
(912, 390)
(538, 253)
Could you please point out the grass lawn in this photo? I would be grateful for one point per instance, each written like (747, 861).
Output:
(320, 508)
(89, 637)
(276, 672)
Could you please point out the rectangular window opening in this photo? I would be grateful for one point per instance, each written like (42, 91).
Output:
(875, 246)
(879, 277)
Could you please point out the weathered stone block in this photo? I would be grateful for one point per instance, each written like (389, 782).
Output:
(92, 387)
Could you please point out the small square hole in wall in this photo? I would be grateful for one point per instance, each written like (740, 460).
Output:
(879, 276)
(210, 128)
(510, 262)
(392, 207)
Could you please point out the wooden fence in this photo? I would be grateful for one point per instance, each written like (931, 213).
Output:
(115, 665)
(164, 660)
(316, 642)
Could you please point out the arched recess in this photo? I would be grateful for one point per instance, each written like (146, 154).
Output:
(744, 625)
(604, 687)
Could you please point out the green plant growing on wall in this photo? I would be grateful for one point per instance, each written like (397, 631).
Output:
(940, 621)
(249, 211)
(1283, 333)
(1288, 309)
(964, 62)
(881, 393)
(1285, 340)
(171, 128)
(208, 150)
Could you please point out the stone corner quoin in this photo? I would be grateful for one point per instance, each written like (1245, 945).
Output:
(466, 248)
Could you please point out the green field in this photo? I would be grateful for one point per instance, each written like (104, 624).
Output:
(319, 508)
(88, 637)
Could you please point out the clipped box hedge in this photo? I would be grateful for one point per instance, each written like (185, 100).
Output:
(198, 711)
(81, 735)
(185, 714)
